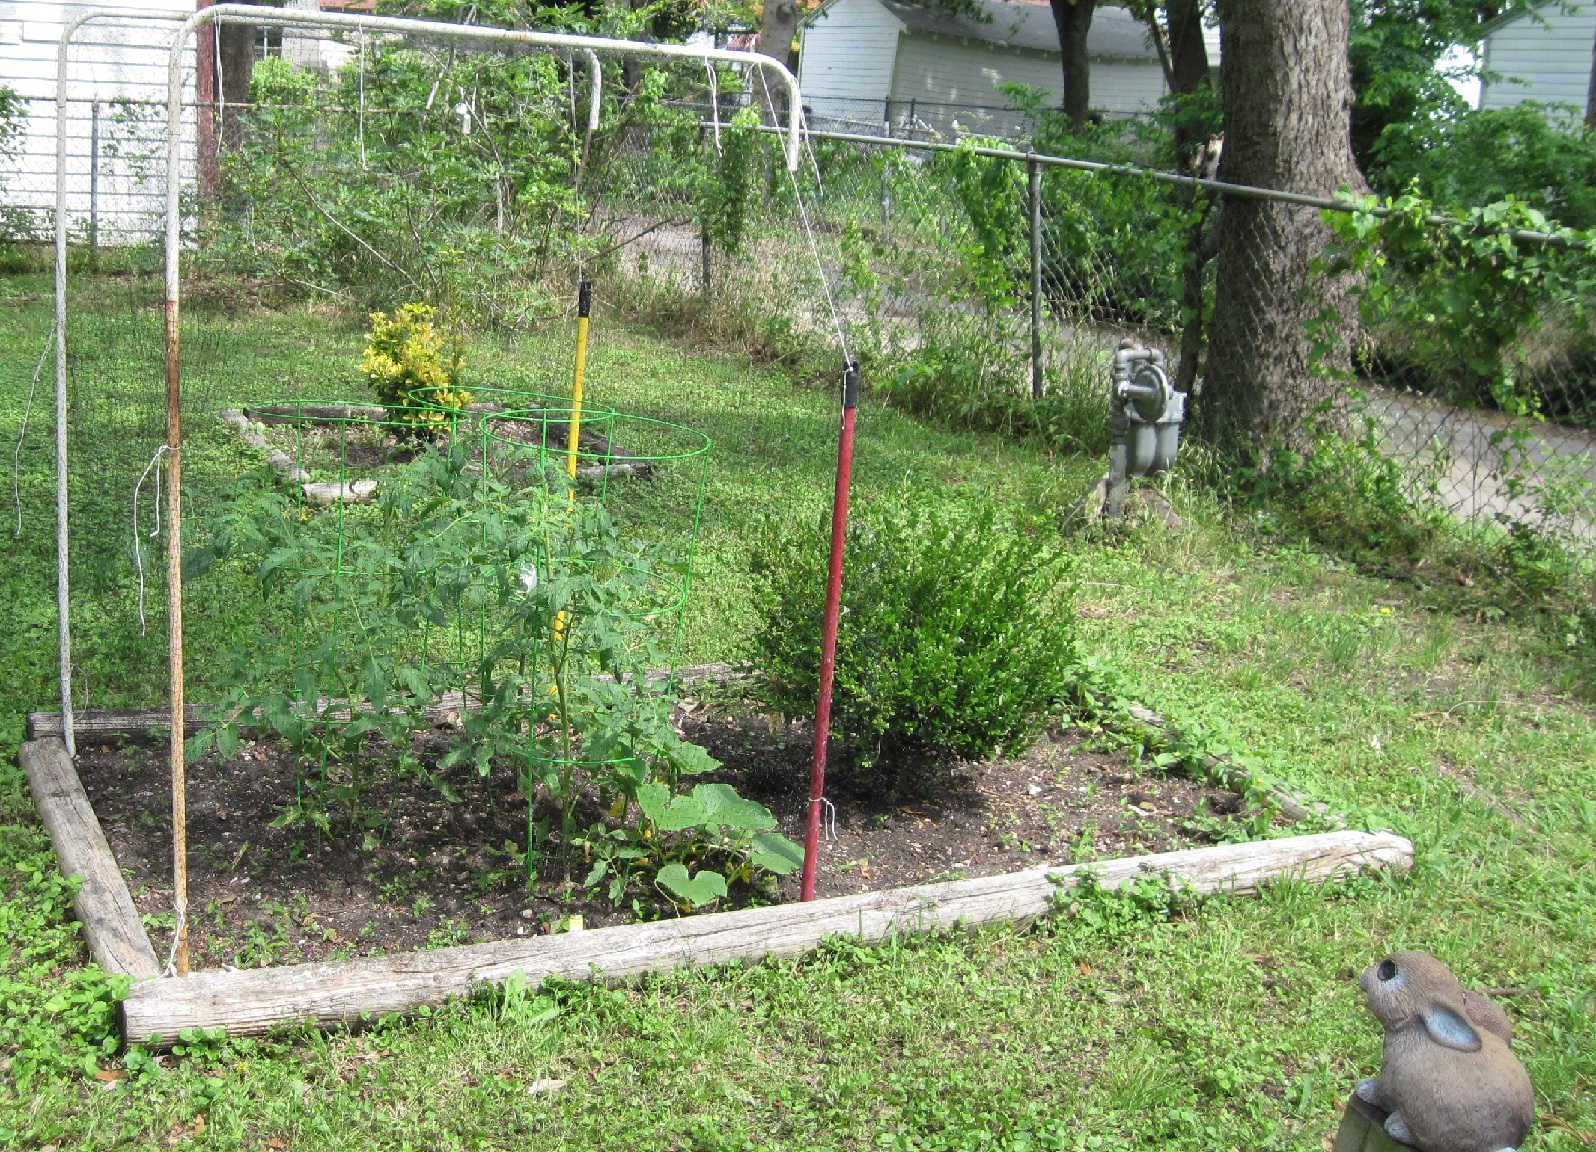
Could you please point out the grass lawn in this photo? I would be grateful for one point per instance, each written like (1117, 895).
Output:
(1236, 1024)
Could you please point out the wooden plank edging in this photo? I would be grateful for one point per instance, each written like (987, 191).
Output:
(111, 923)
(251, 1001)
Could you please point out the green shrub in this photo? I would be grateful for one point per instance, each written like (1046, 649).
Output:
(956, 635)
(962, 377)
(1528, 151)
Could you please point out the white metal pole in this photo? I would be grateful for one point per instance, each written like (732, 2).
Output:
(62, 580)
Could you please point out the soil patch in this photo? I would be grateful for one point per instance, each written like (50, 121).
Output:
(357, 449)
(420, 870)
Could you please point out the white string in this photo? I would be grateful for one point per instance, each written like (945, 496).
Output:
(803, 215)
(138, 555)
(362, 112)
(16, 457)
(828, 819)
(570, 88)
(714, 103)
(180, 914)
(219, 95)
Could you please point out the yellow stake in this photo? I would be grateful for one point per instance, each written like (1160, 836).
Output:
(584, 308)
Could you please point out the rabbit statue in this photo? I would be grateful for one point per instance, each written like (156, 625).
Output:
(1449, 1079)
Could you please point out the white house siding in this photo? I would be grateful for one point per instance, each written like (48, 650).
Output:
(937, 71)
(1548, 62)
(121, 65)
(845, 67)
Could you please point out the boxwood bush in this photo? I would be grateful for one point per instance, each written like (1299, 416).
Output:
(956, 636)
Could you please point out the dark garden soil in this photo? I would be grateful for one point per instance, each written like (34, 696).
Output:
(436, 872)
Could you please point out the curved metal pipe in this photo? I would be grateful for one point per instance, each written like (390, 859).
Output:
(285, 18)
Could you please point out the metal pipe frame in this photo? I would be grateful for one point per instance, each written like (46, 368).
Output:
(281, 18)
(62, 580)
(590, 45)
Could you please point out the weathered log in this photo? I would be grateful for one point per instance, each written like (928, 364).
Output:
(251, 1001)
(111, 924)
(312, 413)
(93, 722)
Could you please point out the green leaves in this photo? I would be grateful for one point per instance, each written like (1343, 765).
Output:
(707, 804)
(955, 636)
(775, 853)
(704, 888)
(537, 609)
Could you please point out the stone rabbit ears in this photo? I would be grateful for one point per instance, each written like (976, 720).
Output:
(1449, 1028)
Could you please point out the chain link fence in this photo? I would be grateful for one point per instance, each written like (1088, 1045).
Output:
(983, 288)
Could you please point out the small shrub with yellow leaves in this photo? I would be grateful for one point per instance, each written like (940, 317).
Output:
(404, 354)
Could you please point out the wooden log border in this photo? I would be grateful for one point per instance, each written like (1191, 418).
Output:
(111, 925)
(253, 1001)
(250, 1002)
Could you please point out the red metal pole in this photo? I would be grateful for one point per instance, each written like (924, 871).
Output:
(828, 641)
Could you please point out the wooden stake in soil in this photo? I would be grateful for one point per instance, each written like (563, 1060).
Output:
(174, 620)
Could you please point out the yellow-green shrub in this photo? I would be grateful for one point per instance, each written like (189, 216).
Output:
(405, 353)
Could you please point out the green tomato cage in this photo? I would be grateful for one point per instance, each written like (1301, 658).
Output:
(566, 567)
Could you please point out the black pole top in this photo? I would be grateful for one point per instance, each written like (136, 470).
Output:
(584, 298)
(850, 384)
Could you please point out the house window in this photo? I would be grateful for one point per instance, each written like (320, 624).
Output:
(270, 43)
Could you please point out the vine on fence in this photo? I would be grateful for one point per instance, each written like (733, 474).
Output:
(1458, 306)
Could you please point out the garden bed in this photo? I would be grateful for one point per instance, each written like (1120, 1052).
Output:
(351, 440)
(435, 873)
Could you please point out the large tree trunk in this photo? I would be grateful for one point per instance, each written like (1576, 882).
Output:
(1074, 21)
(1188, 54)
(237, 52)
(1287, 99)
(1184, 55)
(778, 24)
(777, 27)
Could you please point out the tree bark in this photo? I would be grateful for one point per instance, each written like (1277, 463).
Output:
(1074, 20)
(1287, 101)
(777, 26)
(1184, 56)
(235, 50)
(1188, 54)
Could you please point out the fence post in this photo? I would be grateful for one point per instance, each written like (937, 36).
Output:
(94, 187)
(886, 177)
(1035, 174)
